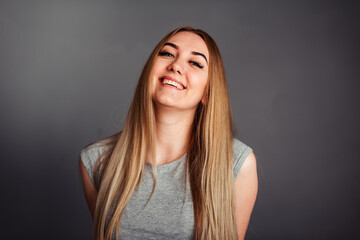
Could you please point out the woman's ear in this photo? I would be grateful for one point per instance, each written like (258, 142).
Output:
(204, 100)
(205, 97)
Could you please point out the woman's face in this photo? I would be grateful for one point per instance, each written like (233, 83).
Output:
(180, 72)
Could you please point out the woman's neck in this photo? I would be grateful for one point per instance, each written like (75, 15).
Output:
(172, 134)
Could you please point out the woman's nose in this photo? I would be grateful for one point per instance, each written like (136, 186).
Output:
(175, 66)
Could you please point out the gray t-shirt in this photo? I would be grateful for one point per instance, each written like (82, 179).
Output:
(169, 214)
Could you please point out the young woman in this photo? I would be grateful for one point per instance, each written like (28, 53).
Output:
(175, 171)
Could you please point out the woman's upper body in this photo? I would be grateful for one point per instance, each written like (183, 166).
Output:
(180, 107)
(169, 213)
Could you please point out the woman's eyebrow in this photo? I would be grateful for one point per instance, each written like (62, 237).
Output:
(200, 54)
(193, 52)
(171, 45)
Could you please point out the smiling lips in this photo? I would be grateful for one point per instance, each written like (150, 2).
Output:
(169, 81)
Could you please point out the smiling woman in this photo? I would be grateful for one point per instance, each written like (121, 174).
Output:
(180, 72)
(175, 171)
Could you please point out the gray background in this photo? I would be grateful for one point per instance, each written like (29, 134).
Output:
(68, 71)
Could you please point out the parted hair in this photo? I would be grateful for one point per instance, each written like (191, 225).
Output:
(209, 159)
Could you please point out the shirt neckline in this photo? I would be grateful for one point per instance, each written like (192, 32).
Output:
(167, 166)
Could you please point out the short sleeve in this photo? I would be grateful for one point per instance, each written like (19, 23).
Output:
(89, 156)
(91, 153)
(240, 152)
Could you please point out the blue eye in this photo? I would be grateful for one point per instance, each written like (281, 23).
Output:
(196, 64)
(164, 53)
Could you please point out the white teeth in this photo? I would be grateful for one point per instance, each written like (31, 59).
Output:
(172, 83)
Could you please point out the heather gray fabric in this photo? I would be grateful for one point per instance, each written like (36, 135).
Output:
(169, 213)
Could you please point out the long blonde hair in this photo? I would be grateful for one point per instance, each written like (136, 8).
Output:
(209, 156)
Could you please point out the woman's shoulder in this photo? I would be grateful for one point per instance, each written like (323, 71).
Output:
(240, 152)
(239, 146)
(100, 144)
(92, 152)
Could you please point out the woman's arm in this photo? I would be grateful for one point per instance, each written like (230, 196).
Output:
(89, 189)
(246, 187)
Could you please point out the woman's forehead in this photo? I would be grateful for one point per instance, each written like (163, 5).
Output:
(189, 41)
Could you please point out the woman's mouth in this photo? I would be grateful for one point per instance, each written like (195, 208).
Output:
(170, 82)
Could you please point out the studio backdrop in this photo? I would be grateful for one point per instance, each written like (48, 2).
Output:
(68, 71)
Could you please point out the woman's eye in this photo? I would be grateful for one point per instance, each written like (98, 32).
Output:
(165, 53)
(196, 64)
